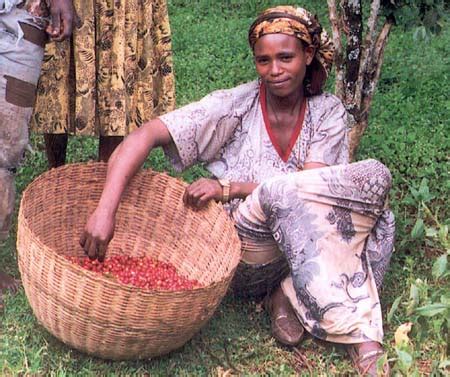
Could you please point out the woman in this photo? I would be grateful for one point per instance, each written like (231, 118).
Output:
(278, 147)
(114, 75)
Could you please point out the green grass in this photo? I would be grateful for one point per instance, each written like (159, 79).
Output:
(408, 131)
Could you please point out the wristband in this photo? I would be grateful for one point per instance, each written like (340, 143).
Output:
(225, 183)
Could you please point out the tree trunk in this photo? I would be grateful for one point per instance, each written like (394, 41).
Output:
(358, 72)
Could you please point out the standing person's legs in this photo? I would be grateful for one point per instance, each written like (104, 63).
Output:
(20, 62)
(55, 148)
(106, 146)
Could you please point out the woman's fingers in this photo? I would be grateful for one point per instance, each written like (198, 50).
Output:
(92, 247)
(203, 200)
(199, 193)
(83, 239)
(101, 251)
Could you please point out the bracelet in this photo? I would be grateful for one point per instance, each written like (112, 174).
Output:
(226, 184)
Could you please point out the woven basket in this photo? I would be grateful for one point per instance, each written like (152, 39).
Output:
(95, 314)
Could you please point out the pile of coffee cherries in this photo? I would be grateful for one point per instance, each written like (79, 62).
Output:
(141, 272)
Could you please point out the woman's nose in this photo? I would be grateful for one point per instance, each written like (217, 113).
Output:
(275, 69)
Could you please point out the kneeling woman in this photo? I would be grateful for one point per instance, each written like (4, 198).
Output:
(315, 230)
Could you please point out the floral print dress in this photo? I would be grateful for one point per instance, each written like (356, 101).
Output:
(330, 224)
(113, 75)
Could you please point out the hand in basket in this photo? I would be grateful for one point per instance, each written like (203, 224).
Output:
(199, 193)
(99, 230)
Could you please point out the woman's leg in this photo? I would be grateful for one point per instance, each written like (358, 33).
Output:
(21, 53)
(107, 145)
(259, 274)
(332, 226)
(55, 147)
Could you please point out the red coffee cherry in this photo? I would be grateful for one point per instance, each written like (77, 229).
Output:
(142, 272)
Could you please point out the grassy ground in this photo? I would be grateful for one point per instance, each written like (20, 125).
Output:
(409, 132)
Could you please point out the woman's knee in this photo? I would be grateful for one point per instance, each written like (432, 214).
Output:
(372, 178)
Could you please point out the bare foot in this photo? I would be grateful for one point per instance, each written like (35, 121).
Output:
(7, 283)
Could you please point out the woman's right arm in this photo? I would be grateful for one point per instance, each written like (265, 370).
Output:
(123, 165)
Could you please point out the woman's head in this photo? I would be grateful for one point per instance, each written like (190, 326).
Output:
(292, 34)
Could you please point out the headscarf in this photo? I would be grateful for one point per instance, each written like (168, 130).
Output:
(297, 22)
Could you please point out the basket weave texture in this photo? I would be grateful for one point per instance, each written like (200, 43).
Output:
(95, 314)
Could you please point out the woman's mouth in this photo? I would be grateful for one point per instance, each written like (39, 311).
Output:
(278, 83)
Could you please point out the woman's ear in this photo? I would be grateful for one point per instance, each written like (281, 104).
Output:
(309, 52)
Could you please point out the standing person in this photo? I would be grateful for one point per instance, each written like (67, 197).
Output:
(278, 150)
(23, 33)
(113, 75)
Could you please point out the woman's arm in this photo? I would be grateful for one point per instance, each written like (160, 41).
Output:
(123, 165)
(200, 192)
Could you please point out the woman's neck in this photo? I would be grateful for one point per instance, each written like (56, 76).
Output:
(288, 103)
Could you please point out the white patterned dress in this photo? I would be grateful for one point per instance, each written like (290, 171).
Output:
(331, 224)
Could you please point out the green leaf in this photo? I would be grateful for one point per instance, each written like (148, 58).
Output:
(424, 191)
(431, 232)
(439, 266)
(413, 299)
(432, 309)
(394, 308)
(405, 359)
(443, 235)
(415, 193)
(418, 230)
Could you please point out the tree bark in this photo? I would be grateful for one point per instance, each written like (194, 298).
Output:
(358, 72)
(352, 18)
(338, 55)
(371, 78)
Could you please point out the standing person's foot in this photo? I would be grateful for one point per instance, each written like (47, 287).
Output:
(7, 283)
(365, 357)
(285, 326)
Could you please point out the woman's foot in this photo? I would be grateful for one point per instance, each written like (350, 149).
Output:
(285, 325)
(365, 357)
(7, 283)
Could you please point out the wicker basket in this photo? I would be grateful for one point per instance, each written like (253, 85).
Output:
(95, 314)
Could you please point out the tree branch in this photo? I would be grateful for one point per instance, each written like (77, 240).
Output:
(337, 41)
(374, 75)
(367, 52)
(353, 23)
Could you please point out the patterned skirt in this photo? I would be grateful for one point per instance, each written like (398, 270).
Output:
(334, 230)
(114, 74)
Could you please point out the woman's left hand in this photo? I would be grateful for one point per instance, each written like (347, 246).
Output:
(199, 193)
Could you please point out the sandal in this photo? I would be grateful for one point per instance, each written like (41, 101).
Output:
(365, 357)
(285, 326)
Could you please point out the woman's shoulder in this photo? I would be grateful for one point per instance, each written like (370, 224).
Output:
(327, 110)
(238, 93)
(325, 102)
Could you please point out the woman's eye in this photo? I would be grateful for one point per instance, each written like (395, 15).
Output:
(262, 60)
(286, 58)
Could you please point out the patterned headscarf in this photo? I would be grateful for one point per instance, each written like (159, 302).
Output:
(299, 23)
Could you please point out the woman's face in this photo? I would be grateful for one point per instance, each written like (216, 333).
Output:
(281, 62)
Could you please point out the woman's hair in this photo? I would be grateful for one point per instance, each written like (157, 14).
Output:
(301, 24)
(315, 77)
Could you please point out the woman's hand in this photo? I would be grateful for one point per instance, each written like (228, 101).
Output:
(62, 16)
(199, 193)
(98, 232)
